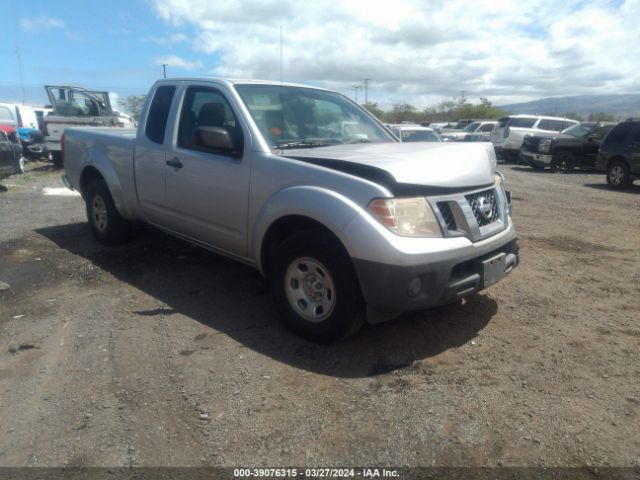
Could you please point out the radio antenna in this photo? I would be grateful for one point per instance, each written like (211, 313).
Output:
(281, 54)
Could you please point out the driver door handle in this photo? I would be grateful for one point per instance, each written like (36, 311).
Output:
(174, 162)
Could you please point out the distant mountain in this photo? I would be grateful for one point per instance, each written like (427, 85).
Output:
(624, 105)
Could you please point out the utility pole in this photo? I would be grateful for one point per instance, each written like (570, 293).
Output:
(164, 70)
(366, 90)
(20, 71)
(355, 88)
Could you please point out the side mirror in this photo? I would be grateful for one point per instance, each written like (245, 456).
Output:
(594, 137)
(214, 138)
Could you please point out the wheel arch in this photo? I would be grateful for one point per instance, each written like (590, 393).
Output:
(617, 158)
(299, 207)
(285, 227)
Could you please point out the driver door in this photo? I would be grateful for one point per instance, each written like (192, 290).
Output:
(207, 191)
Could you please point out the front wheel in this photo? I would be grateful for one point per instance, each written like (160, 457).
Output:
(316, 287)
(618, 175)
(563, 162)
(106, 223)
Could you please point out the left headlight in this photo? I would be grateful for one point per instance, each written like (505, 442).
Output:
(544, 145)
(407, 217)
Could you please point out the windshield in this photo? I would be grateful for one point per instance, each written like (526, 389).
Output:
(419, 136)
(298, 117)
(579, 130)
(471, 127)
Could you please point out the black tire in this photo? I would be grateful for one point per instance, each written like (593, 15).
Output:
(345, 313)
(20, 165)
(106, 223)
(56, 159)
(563, 162)
(618, 175)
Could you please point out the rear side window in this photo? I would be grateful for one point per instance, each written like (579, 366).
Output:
(159, 113)
(5, 114)
(522, 122)
(503, 122)
(551, 125)
(620, 133)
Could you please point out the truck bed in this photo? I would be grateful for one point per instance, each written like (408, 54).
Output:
(113, 149)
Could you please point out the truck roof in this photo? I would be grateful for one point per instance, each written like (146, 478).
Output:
(236, 81)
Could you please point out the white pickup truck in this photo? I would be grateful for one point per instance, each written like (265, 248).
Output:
(77, 107)
(347, 225)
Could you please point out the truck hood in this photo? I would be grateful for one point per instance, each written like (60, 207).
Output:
(429, 164)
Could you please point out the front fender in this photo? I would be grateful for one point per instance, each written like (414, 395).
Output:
(332, 210)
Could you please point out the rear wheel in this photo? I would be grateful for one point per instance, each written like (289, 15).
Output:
(316, 288)
(618, 175)
(563, 162)
(106, 223)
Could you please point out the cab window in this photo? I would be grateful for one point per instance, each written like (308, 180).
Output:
(207, 107)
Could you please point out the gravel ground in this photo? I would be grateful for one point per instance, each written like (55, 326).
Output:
(161, 353)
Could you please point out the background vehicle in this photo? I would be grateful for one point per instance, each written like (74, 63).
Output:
(73, 107)
(11, 159)
(574, 147)
(347, 224)
(32, 142)
(18, 116)
(620, 154)
(477, 131)
(508, 134)
(415, 133)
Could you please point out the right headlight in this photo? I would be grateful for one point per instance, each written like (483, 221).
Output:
(408, 217)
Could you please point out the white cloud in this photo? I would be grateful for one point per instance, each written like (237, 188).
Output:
(173, 61)
(40, 23)
(169, 39)
(421, 52)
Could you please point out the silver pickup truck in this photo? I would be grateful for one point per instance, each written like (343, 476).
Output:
(347, 224)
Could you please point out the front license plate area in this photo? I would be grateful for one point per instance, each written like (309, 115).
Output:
(493, 269)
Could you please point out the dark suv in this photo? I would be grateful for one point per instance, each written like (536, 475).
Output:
(576, 146)
(620, 154)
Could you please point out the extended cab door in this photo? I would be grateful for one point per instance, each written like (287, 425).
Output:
(151, 155)
(207, 189)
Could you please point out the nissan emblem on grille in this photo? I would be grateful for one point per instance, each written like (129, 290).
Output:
(485, 207)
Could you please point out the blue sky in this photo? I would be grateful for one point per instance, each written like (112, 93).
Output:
(98, 44)
(415, 51)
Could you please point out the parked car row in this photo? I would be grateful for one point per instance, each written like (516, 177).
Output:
(414, 133)
(605, 146)
(20, 124)
(477, 131)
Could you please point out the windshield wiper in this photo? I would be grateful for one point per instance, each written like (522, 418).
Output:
(307, 143)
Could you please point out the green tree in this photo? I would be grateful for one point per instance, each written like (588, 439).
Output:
(374, 109)
(133, 104)
(601, 117)
(401, 112)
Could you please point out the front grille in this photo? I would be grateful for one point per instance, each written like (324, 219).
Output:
(530, 143)
(484, 207)
(447, 215)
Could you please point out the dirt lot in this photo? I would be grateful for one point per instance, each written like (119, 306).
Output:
(160, 353)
